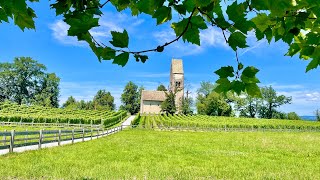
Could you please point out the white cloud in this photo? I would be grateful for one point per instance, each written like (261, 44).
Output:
(108, 22)
(210, 37)
(60, 33)
(152, 75)
(304, 102)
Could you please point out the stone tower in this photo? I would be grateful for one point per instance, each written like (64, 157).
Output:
(177, 81)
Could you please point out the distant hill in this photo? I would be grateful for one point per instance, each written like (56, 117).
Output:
(309, 118)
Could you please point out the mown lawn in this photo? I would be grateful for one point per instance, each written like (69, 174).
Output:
(144, 154)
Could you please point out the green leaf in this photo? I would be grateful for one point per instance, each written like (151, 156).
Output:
(77, 25)
(61, 6)
(122, 59)
(192, 34)
(294, 49)
(120, 39)
(203, 3)
(313, 64)
(146, 6)
(250, 71)
(163, 14)
(108, 53)
(198, 22)
(224, 85)
(236, 12)
(180, 9)
(259, 34)
(237, 39)
(240, 66)
(143, 58)
(262, 21)
(253, 90)
(189, 5)
(249, 80)
(225, 72)
(237, 86)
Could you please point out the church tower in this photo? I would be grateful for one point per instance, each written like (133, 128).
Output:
(177, 81)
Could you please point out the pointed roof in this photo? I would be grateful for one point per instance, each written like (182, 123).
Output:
(176, 66)
(153, 95)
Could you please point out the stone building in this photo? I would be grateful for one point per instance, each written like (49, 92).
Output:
(151, 100)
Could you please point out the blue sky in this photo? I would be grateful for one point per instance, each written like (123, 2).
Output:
(82, 75)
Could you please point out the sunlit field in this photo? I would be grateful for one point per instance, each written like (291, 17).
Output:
(148, 154)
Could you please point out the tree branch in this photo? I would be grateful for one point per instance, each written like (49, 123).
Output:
(160, 46)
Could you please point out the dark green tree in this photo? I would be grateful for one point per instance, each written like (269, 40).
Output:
(70, 103)
(161, 87)
(168, 106)
(317, 113)
(186, 105)
(271, 101)
(25, 82)
(130, 98)
(103, 101)
(212, 103)
(293, 116)
(248, 106)
(48, 91)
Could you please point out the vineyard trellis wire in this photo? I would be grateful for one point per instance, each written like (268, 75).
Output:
(213, 123)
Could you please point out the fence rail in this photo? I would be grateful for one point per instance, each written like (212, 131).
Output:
(14, 139)
(50, 124)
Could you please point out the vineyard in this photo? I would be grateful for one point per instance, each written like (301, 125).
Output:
(220, 123)
(10, 112)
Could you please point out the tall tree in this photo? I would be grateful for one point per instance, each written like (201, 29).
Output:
(70, 103)
(103, 101)
(293, 116)
(317, 113)
(272, 101)
(161, 87)
(186, 105)
(168, 106)
(248, 106)
(25, 81)
(130, 98)
(295, 22)
(48, 91)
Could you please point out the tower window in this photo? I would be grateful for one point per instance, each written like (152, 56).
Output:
(178, 84)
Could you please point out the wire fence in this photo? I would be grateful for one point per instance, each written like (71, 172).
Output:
(14, 139)
(14, 124)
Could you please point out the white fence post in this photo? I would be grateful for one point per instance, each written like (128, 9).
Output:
(59, 137)
(98, 133)
(26, 137)
(40, 138)
(72, 136)
(91, 132)
(11, 141)
(5, 138)
(82, 134)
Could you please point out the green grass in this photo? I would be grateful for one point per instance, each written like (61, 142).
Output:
(144, 154)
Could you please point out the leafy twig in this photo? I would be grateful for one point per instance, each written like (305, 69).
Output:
(160, 46)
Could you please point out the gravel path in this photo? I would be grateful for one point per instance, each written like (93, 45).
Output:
(125, 124)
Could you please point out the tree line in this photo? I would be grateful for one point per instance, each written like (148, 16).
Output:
(25, 81)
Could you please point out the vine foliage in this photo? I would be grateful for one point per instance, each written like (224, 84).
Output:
(295, 22)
